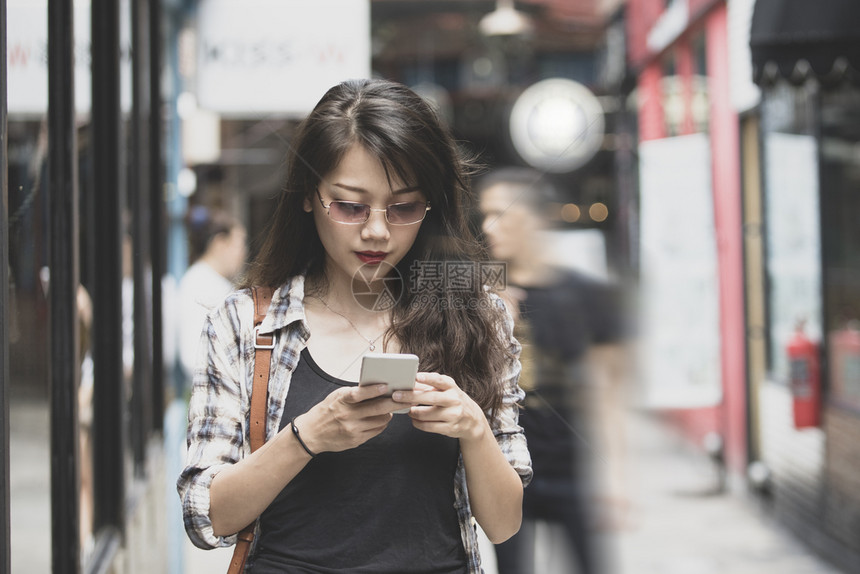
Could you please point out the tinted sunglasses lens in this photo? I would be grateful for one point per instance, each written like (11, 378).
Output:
(349, 212)
(402, 213)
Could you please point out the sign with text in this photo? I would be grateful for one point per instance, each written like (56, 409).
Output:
(27, 57)
(680, 313)
(278, 56)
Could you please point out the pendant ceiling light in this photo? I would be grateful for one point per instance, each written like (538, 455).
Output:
(506, 20)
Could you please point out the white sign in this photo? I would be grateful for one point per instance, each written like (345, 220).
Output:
(278, 56)
(679, 287)
(743, 92)
(27, 57)
(669, 26)
(556, 125)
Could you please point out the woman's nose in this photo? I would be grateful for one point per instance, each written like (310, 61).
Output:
(376, 226)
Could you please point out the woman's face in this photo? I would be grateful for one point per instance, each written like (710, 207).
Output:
(360, 177)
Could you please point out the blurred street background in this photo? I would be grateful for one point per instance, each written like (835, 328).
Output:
(705, 162)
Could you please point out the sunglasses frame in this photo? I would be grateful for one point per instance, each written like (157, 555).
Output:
(370, 210)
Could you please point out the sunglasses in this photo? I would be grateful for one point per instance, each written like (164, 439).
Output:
(351, 212)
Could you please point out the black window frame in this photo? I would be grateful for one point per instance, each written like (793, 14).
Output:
(128, 178)
(5, 526)
(64, 373)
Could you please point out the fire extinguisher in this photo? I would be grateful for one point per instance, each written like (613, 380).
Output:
(804, 379)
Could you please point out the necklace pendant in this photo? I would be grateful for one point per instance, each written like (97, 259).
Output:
(372, 347)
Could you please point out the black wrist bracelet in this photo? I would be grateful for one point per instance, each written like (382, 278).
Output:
(299, 438)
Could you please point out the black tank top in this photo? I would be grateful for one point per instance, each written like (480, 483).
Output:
(386, 506)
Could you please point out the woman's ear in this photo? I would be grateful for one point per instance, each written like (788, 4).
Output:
(307, 205)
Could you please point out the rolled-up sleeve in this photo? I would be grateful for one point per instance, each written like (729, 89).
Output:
(216, 422)
(509, 434)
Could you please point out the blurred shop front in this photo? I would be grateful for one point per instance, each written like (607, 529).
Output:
(806, 59)
(691, 261)
(748, 172)
(82, 257)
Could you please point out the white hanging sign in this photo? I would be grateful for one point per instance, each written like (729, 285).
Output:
(27, 57)
(278, 56)
(680, 314)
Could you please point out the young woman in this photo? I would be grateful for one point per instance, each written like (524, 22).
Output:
(374, 183)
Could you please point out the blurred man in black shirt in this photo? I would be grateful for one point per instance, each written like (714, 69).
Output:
(560, 316)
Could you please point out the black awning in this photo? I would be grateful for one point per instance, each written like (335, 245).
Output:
(794, 39)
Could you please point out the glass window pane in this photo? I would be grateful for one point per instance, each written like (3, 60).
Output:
(791, 194)
(28, 330)
(83, 106)
(128, 248)
(840, 177)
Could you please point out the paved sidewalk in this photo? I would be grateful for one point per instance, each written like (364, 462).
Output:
(678, 525)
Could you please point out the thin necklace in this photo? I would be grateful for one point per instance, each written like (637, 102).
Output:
(370, 342)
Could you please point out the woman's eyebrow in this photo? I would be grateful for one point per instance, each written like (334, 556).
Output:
(362, 190)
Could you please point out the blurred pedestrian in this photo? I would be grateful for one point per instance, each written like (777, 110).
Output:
(561, 314)
(217, 248)
(343, 485)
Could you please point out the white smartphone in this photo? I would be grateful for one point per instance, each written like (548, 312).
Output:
(397, 370)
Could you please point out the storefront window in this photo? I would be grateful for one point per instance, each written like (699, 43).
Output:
(79, 429)
(28, 283)
(83, 106)
(126, 176)
(840, 204)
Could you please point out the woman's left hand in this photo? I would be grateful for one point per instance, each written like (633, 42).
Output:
(440, 406)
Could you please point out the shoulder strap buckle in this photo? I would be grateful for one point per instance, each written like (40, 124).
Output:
(263, 341)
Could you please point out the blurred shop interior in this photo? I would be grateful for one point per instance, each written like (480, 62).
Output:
(473, 66)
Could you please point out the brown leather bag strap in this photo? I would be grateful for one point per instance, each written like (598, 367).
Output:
(263, 345)
(240, 553)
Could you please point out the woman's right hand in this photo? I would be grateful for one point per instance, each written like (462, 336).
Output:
(346, 418)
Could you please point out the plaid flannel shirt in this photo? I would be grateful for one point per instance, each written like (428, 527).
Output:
(219, 409)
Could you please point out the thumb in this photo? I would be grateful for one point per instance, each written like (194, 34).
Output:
(363, 392)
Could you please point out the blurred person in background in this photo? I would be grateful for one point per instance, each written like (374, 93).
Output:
(217, 243)
(217, 254)
(560, 316)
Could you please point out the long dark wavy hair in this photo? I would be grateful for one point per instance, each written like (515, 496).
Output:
(457, 333)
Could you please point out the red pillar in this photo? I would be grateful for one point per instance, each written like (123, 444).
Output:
(685, 69)
(727, 214)
(652, 122)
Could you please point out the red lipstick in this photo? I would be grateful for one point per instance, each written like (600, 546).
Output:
(371, 257)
